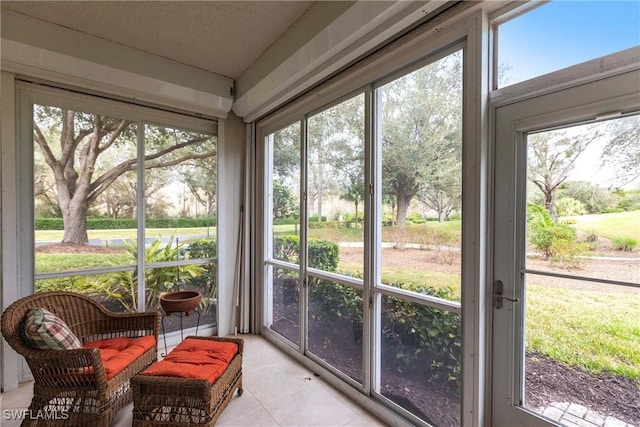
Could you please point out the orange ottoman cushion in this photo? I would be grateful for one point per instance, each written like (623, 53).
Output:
(118, 353)
(196, 359)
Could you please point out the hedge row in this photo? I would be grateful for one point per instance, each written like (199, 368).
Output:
(419, 339)
(127, 223)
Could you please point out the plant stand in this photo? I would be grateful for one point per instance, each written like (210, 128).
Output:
(180, 303)
(181, 315)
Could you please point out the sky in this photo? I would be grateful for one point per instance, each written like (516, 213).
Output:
(566, 32)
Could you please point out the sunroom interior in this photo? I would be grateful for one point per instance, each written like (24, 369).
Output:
(361, 185)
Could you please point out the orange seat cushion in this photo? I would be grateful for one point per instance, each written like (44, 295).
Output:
(196, 359)
(118, 353)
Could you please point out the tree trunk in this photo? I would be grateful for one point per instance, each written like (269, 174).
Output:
(75, 223)
(550, 204)
(403, 208)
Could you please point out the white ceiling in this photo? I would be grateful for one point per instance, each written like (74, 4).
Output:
(217, 36)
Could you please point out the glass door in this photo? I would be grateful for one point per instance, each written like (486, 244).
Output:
(566, 288)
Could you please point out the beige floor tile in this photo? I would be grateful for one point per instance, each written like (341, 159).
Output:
(311, 407)
(256, 417)
(278, 391)
(240, 405)
(19, 398)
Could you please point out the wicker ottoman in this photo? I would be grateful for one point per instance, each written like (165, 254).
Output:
(186, 395)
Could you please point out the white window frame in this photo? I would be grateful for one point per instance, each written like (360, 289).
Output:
(471, 29)
(17, 186)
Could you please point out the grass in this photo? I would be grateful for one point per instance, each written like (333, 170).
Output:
(611, 225)
(594, 330)
(49, 263)
(433, 279)
(56, 235)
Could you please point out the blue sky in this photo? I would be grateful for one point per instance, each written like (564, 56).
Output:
(567, 32)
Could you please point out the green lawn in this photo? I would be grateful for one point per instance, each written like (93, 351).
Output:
(597, 331)
(56, 235)
(611, 225)
(50, 263)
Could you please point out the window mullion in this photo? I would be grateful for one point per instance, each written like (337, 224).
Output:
(304, 220)
(140, 202)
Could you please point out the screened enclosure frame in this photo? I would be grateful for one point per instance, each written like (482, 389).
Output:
(467, 38)
(28, 95)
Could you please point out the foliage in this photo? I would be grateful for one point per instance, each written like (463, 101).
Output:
(284, 201)
(286, 221)
(625, 244)
(551, 157)
(555, 240)
(568, 206)
(623, 148)
(207, 282)
(335, 154)
(422, 137)
(422, 339)
(629, 200)
(80, 284)
(322, 254)
(84, 161)
(123, 286)
(593, 197)
(127, 223)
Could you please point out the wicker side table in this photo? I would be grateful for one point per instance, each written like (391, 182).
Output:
(172, 401)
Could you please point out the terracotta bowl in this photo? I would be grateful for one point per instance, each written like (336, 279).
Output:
(180, 301)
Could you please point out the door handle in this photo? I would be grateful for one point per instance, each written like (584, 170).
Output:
(498, 295)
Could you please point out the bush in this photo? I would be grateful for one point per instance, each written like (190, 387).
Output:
(568, 206)
(286, 221)
(314, 218)
(555, 240)
(421, 339)
(625, 244)
(207, 282)
(126, 223)
(322, 254)
(592, 240)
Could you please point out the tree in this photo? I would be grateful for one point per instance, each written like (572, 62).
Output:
(354, 191)
(595, 198)
(336, 151)
(284, 201)
(422, 136)
(551, 157)
(72, 143)
(623, 148)
(200, 177)
(285, 147)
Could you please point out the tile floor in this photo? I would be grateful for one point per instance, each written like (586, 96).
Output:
(278, 391)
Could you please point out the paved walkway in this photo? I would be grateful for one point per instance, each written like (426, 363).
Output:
(574, 415)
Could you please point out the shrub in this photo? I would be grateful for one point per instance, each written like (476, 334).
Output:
(592, 240)
(123, 286)
(207, 282)
(568, 206)
(421, 339)
(552, 238)
(126, 223)
(322, 254)
(626, 244)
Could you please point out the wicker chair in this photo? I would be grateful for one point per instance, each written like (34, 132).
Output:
(73, 383)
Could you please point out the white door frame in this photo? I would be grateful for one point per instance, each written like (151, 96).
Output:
(582, 103)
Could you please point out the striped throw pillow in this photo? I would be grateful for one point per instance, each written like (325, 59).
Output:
(46, 331)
